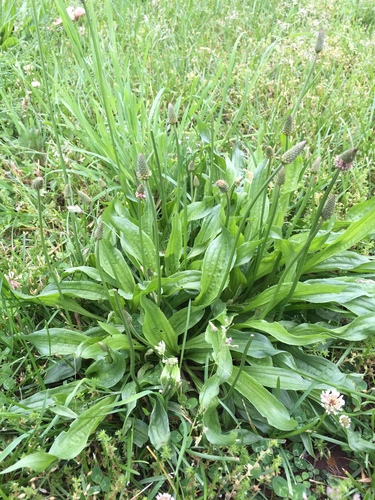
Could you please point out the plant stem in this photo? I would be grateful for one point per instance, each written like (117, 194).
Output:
(156, 241)
(161, 182)
(144, 264)
(242, 225)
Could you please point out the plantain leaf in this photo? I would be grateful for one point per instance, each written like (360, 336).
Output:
(214, 266)
(158, 429)
(113, 263)
(106, 372)
(213, 431)
(59, 341)
(357, 230)
(174, 247)
(131, 243)
(80, 289)
(70, 444)
(358, 444)
(38, 462)
(200, 209)
(266, 404)
(156, 326)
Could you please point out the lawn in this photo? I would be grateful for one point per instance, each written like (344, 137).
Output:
(187, 264)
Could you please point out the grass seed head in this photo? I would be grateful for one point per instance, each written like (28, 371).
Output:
(288, 125)
(172, 117)
(98, 235)
(329, 208)
(315, 167)
(292, 153)
(37, 183)
(269, 153)
(280, 179)
(319, 45)
(68, 193)
(84, 198)
(143, 171)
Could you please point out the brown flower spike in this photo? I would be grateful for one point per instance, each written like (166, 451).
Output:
(346, 159)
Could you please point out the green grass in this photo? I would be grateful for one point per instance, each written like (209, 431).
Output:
(176, 296)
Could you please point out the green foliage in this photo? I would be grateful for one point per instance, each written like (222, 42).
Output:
(178, 333)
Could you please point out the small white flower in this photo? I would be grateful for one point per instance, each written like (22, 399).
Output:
(170, 361)
(70, 12)
(35, 84)
(332, 401)
(160, 348)
(164, 496)
(213, 327)
(345, 421)
(28, 68)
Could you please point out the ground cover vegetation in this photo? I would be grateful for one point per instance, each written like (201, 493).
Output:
(187, 287)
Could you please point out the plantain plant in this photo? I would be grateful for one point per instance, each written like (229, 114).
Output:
(209, 281)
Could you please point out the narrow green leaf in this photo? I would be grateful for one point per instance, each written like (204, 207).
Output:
(178, 320)
(106, 372)
(355, 233)
(57, 341)
(11, 446)
(131, 243)
(215, 263)
(158, 430)
(156, 326)
(38, 462)
(70, 444)
(80, 289)
(174, 247)
(200, 209)
(213, 430)
(280, 333)
(114, 264)
(210, 228)
(266, 404)
(271, 376)
(359, 445)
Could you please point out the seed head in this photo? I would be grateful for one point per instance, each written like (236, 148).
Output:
(269, 152)
(191, 166)
(143, 171)
(37, 183)
(172, 117)
(316, 166)
(292, 153)
(141, 192)
(288, 125)
(329, 208)
(85, 199)
(346, 159)
(67, 191)
(222, 185)
(319, 45)
(127, 316)
(280, 179)
(196, 182)
(98, 235)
